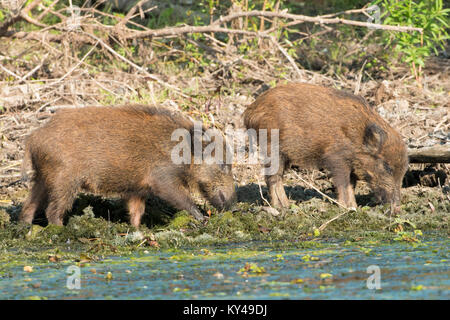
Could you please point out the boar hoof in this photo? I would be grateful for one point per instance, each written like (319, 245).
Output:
(274, 212)
(395, 210)
(197, 214)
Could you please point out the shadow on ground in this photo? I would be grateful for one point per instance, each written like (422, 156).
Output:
(158, 212)
(251, 194)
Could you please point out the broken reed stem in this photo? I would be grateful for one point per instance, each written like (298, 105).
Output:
(288, 57)
(358, 83)
(261, 193)
(325, 224)
(321, 193)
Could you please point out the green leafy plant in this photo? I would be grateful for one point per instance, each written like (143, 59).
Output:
(414, 47)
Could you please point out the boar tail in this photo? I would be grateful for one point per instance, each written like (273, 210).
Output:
(26, 165)
(249, 119)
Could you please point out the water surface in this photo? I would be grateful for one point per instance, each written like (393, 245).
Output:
(247, 271)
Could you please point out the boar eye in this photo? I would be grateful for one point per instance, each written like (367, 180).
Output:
(387, 167)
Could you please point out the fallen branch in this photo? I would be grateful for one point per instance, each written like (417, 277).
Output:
(434, 154)
(177, 31)
(325, 224)
(347, 210)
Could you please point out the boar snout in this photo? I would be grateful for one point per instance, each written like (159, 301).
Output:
(224, 199)
(388, 196)
(396, 203)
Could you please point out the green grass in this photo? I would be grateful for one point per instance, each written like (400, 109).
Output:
(89, 232)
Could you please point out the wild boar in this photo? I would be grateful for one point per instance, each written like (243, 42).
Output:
(322, 127)
(123, 151)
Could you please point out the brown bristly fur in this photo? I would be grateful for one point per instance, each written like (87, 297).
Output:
(124, 151)
(327, 128)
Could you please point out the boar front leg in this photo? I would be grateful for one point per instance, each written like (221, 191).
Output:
(346, 194)
(177, 195)
(181, 199)
(344, 182)
(277, 194)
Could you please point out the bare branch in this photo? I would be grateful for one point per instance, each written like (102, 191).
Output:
(320, 20)
(22, 13)
(177, 31)
(130, 14)
(286, 54)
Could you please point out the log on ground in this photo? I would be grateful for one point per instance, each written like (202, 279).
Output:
(434, 154)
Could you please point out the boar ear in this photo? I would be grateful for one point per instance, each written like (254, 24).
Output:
(374, 138)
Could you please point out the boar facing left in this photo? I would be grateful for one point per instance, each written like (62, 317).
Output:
(123, 151)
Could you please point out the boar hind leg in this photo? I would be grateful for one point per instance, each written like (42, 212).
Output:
(37, 199)
(136, 208)
(61, 198)
(274, 182)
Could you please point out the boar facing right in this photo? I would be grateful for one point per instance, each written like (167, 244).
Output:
(327, 128)
(124, 151)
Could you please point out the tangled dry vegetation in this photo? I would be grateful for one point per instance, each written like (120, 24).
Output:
(81, 61)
